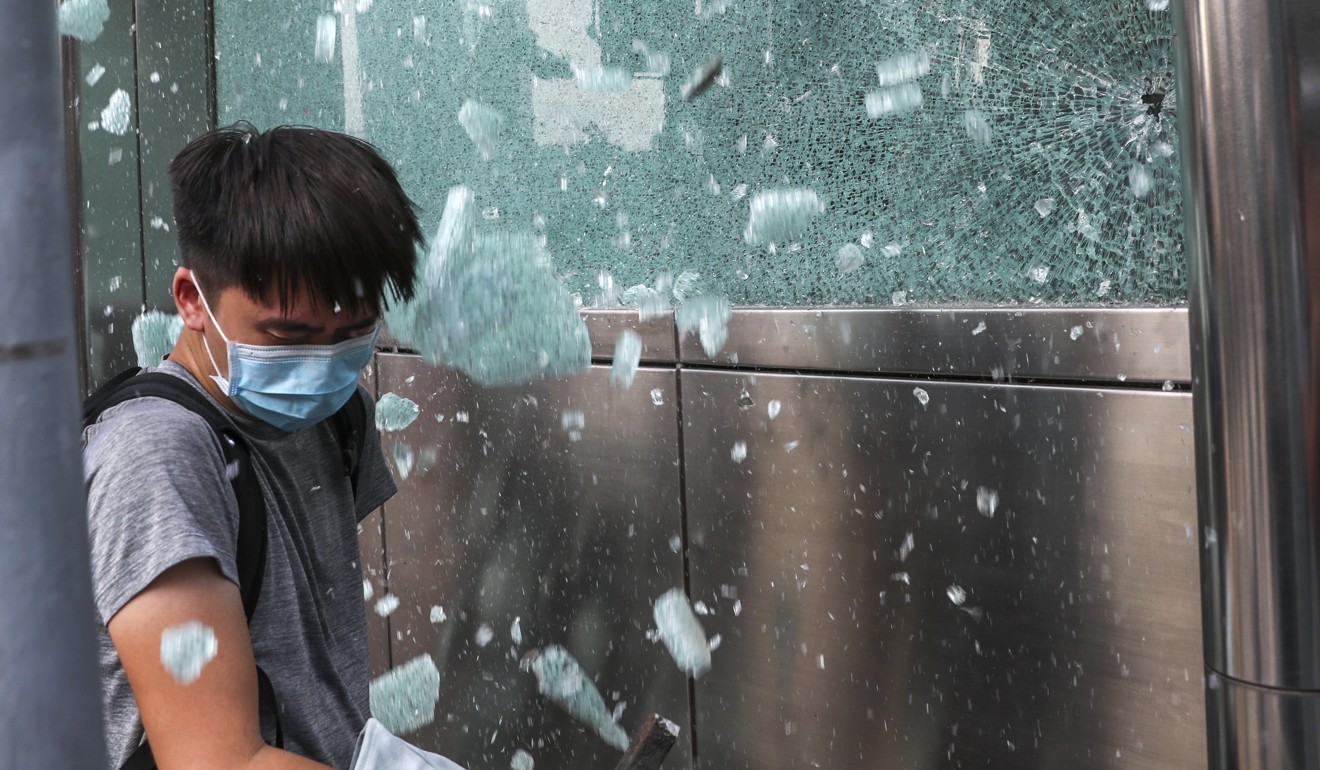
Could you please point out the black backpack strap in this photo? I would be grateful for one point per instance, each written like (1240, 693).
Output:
(250, 554)
(350, 426)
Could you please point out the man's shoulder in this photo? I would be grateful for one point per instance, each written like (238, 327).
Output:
(150, 425)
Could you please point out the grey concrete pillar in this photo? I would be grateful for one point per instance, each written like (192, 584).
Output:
(50, 714)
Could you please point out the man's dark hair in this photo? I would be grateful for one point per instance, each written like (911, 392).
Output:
(292, 210)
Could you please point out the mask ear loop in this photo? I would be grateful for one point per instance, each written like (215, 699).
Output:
(223, 382)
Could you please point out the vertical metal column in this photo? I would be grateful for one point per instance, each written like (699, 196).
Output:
(1249, 91)
(49, 702)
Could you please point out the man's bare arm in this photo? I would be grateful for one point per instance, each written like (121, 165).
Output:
(212, 723)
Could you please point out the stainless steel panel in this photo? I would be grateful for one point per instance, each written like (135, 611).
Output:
(657, 334)
(1257, 728)
(832, 557)
(1252, 177)
(1114, 344)
(509, 512)
(371, 540)
(604, 327)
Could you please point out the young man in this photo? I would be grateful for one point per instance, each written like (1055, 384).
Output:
(290, 239)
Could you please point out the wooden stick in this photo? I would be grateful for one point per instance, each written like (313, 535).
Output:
(651, 746)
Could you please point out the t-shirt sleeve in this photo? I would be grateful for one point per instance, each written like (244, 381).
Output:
(375, 483)
(157, 495)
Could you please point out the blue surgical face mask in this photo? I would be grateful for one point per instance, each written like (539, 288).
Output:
(291, 386)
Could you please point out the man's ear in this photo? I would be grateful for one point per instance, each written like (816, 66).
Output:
(188, 300)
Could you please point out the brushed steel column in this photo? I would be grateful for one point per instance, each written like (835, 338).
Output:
(1249, 92)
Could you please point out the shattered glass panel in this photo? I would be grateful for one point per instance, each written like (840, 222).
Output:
(992, 151)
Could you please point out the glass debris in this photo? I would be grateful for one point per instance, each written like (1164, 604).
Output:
(899, 99)
(956, 594)
(657, 396)
(403, 699)
(781, 216)
(707, 316)
(739, 451)
(561, 679)
(987, 500)
(681, 632)
(603, 79)
(394, 413)
(904, 67)
(977, 126)
(403, 457)
(386, 605)
(515, 631)
(484, 635)
(909, 542)
(1140, 180)
(627, 356)
(849, 258)
(83, 19)
(922, 395)
(154, 336)
(483, 126)
(367, 590)
(521, 761)
(117, 116)
(687, 284)
(490, 304)
(325, 38)
(437, 614)
(772, 408)
(186, 649)
(701, 78)
(94, 74)
(572, 419)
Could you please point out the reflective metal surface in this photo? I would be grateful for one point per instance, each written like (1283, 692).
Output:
(1251, 133)
(555, 507)
(657, 334)
(1114, 344)
(1261, 728)
(876, 609)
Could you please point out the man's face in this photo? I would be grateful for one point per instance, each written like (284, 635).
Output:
(251, 321)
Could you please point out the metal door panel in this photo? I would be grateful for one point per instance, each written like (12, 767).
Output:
(371, 542)
(1099, 343)
(1262, 728)
(605, 326)
(842, 642)
(513, 510)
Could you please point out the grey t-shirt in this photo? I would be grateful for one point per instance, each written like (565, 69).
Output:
(157, 495)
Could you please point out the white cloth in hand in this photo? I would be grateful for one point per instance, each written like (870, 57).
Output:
(379, 749)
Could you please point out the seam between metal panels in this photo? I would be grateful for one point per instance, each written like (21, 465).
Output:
(137, 140)
(212, 100)
(683, 551)
(971, 379)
